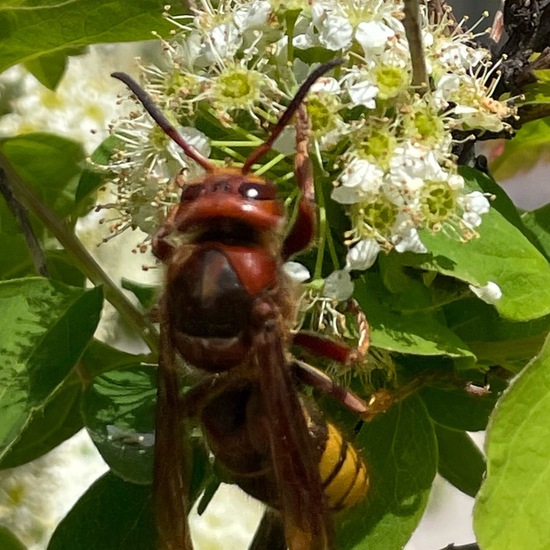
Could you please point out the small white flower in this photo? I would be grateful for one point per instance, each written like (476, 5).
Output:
(459, 56)
(346, 195)
(363, 93)
(456, 182)
(474, 205)
(409, 241)
(373, 36)
(326, 84)
(338, 286)
(253, 15)
(335, 33)
(359, 180)
(489, 293)
(193, 137)
(362, 255)
(445, 88)
(326, 28)
(297, 272)
(223, 42)
(364, 174)
(304, 41)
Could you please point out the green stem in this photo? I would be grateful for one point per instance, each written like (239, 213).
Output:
(81, 256)
(268, 165)
(323, 226)
(332, 249)
(266, 115)
(233, 154)
(211, 116)
(291, 18)
(322, 239)
(250, 143)
(325, 234)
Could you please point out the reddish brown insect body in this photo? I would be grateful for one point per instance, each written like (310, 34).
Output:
(228, 310)
(222, 285)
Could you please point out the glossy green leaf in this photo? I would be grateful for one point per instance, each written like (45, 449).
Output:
(100, 358)
(15, 260)
(146, 294)
(539, 91)
(501, 254)
(31, 30)
(460, 461)
(119, 412)
(415, 331)
(511, 511)
(8, 541)
(112, 515)
(530, 145)
(62, 269)
(59, 420)
(494, 340)
(91, 179)
(50, 164)
(44, 328)
(401, 453)
(500, 201)
(48, 69)
(458, 409)
(537, 223)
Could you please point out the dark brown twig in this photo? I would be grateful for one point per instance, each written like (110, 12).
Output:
(526, 30)
(21, 215)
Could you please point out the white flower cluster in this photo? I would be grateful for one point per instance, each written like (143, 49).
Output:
(386, 145)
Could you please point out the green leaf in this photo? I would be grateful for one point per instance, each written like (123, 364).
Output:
(112, 515)
(146, 294)
(494, 340)
(460, 461)
(501, 254)
(411, 331)
(48, 69)
(8, 541)
(44, 329)
(91, 179)
(511, 511)
(500, 201)
(530, 145)
(50, 164)
(539, 91)
(458, 409)
(100, 358)
(62, 269)
(30, 31)
(60, 419)
(119, 412)
(15, 260)
(537, 223)
(401, 453)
